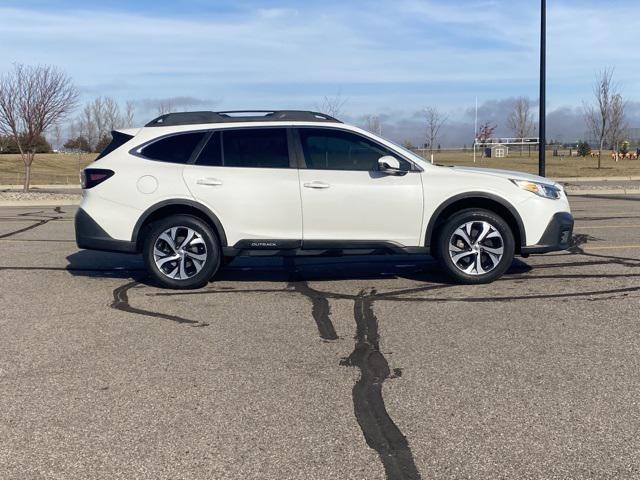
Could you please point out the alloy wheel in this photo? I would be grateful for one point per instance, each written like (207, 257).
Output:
(180, 252)
(476, 247)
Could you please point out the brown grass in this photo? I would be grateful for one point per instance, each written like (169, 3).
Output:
(47, 168)
(63, 168)
(557, 167)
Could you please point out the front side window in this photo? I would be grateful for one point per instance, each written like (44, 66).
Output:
(175, 148)
(326, 149)
(255, 147)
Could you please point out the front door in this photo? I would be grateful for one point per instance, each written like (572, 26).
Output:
(244, 175)
(346, 198)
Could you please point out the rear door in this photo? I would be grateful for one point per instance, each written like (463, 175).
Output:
(346, 198)
(246, 177)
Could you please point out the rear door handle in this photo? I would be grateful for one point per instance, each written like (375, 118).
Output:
(316, 185)
(208, 181)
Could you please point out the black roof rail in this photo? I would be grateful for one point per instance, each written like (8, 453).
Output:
(193, 118)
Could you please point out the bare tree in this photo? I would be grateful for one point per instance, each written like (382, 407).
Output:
(598, 115)
(33, 99)
(129, 114)
(332, 106)
(5, 142)
(373, 124)
(57, 136)
(617, 122)
(520, 119)
(435, 120)
(484, 133)
(87, 126)
(165, 106)
(112, 117)
(99, 118)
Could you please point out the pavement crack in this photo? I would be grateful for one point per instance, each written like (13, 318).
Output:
(321, 310)
(121, 302)
(379, 430)
(30, 227)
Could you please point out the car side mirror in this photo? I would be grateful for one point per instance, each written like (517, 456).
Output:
(390, 165)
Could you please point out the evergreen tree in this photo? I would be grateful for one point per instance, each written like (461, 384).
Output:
(583, 149)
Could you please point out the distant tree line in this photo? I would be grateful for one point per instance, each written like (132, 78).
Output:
(39, 144)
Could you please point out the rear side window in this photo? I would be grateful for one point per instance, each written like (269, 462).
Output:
(117, 140)
(211, 154)
(254, 147)
(174, 149)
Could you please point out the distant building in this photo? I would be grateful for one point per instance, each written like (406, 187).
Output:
(499, 151)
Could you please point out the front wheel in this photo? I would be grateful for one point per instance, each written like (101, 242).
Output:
(475, 246)
(181, 251)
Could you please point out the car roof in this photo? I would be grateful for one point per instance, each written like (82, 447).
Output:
(239, 116)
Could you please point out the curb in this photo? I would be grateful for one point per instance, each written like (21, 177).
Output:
(65, 203)
(597, 179)
(65, 186)
(611, 191)
(39, 203)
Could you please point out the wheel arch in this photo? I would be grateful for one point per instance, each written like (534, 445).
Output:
(483, 200)
(177, 207)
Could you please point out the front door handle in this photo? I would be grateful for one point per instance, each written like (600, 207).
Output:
(208, 181)
(316, 185)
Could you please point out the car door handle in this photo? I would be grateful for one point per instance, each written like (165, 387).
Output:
(210, 182)
(316, 185)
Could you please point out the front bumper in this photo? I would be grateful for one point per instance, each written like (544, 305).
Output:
(91, 236)
(557, 235)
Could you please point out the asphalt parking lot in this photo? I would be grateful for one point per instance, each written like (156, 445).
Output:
(320, 368)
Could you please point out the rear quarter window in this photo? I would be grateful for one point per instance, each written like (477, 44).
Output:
(117, 140)
(175, 148)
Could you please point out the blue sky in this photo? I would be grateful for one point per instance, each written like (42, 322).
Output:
(384, 57)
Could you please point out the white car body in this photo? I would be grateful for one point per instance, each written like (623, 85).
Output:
(305, 208)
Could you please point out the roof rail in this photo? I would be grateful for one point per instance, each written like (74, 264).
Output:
(192, 118)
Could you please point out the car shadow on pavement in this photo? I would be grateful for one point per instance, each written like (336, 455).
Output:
(89, 263)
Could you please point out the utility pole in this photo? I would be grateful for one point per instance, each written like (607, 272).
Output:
(543, 90)
(475, 132)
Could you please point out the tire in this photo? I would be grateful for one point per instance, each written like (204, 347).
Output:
(173, 266)
(459, 258)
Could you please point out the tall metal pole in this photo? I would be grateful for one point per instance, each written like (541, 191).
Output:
(543, 89)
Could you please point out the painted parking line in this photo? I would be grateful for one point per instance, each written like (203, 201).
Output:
(612, 247)
(600, 227)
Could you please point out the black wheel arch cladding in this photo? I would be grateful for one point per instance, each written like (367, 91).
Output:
(178, 207)
(476, 200)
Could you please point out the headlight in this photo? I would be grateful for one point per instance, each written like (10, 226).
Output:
(541, 189)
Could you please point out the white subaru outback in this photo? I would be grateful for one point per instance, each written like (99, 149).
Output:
(191, 190)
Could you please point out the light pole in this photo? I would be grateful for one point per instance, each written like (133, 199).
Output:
(543, 89)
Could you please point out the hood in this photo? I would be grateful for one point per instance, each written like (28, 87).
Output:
(508, 174)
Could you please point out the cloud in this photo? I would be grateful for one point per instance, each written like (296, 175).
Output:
(388, 57)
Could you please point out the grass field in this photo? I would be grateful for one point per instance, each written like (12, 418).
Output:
(557, 167)
(47, 168)
(60, 168)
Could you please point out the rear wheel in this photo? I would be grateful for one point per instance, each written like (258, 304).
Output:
(181, 251)
(475, 246)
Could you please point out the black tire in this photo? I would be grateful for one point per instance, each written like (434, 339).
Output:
(209, 247)
(494, 269)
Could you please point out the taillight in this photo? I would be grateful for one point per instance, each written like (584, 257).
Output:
(90, 177)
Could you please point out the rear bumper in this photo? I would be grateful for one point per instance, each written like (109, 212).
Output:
(91, 236)
(557, 235)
